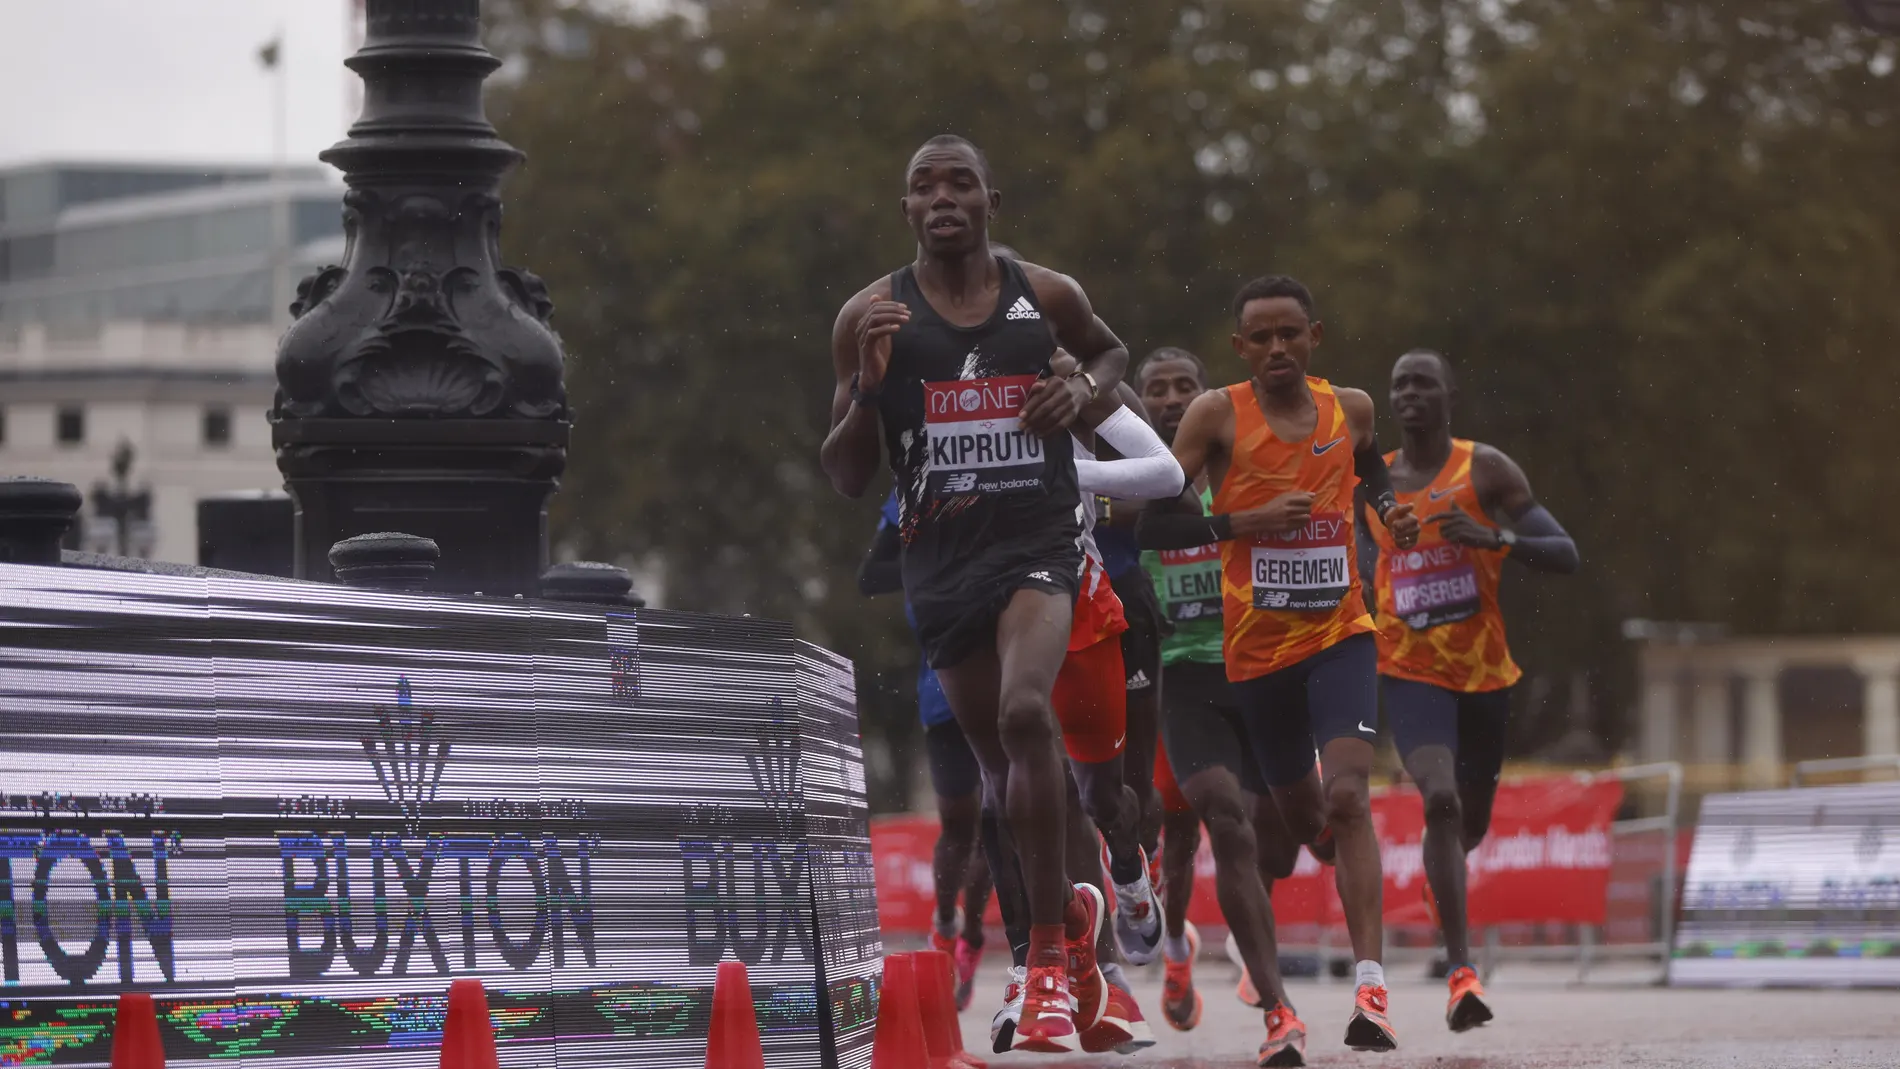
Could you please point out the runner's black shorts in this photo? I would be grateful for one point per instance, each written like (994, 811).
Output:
(954, 772)
(1141, 643)
(1291, 713)
(960, 620)
(1471, 725)
(1201, 728)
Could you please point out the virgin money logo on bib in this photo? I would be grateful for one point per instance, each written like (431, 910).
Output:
(1307, 570)
(1433, 585)
(974, 442)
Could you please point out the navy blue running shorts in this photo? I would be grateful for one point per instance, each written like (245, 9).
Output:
(1289, 714)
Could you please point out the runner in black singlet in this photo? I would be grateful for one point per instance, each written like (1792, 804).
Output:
(946, 362)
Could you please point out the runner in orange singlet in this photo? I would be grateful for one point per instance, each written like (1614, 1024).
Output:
(1445, 668)
(1285, 453)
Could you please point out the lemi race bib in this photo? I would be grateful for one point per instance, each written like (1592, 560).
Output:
(976, 445)
(1191, 583)
(1433, 586)
(1307, 570)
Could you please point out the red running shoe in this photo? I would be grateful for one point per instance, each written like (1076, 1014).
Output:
(1086, 911)
(967, 957)
(1048, 1014)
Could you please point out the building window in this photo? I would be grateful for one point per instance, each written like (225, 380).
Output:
(217, 427)
(71, 425)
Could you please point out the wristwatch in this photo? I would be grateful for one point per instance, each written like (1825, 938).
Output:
(1095, 390)
(867, 398)
(1506, 538)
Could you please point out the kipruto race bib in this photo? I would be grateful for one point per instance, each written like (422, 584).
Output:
(1190, 580)
(1433, 586)
(974, 444)
(1307, 570)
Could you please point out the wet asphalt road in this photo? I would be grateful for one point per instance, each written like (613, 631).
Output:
(1543, 1020)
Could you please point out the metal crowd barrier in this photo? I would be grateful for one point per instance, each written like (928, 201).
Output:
(1824, 765)
(1669, 824)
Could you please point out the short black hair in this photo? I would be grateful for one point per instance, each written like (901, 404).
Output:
(1171, 352)
(1274, 286)
(956, 141)
(1444, 363)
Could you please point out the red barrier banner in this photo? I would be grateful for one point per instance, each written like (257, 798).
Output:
(1547, 859)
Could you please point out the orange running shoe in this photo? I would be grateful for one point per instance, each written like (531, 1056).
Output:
(938, 942)
(1467, 1008)
(1244, 990)
(1286, 1039)
(1368, 1029)
(1085, 913)
(1180, 1003)
(1048, 1014)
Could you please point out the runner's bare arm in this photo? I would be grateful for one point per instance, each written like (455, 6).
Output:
(860, 350)
(1055, 403)
(1367, 463)
(1504, 492)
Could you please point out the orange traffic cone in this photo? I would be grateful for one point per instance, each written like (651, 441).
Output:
(468, 1036)
(937, 1005)
(135, 1040)
(899, 1040)
(733, 1040)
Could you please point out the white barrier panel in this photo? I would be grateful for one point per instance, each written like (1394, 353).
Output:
(1795, 887)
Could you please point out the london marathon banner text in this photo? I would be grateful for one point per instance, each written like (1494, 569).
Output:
(294, 812)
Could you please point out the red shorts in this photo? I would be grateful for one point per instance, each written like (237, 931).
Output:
(1091, 700)
(1172, 800)
(1098, 611)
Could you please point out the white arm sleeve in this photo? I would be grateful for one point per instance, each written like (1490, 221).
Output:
(1148, 473)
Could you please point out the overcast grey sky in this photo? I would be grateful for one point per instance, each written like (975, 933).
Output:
(167, 79)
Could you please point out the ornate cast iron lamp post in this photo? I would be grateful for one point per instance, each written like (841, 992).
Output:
(420, 383)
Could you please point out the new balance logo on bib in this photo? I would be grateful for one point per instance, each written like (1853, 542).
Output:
(974, 442)
(1307, 570)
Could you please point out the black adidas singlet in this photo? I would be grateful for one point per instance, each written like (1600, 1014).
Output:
(979, 497)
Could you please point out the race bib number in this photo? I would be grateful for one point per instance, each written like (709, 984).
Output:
(1433, 586)
(974, 444)
(1190, 580)
(1307, 570)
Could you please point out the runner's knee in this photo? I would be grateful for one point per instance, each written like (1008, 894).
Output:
(1026, 719)
(959, 817)
(1348, 799)
(1230, 836)
(1444, 811)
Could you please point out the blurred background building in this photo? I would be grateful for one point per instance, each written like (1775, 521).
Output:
(139, 310)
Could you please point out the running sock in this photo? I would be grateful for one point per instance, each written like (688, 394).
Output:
(948, 929)
(1370, 972)
(1112, 972)
(1125, 870)
(1048, 945)
(1176, 947)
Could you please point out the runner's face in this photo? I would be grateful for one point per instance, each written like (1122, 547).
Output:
(1420, 396)
(948, 203)
(1276, 340)
(1167, 388)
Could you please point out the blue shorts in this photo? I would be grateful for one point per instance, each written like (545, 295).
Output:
(1471, 725)
(932, 707)
(1292, 713)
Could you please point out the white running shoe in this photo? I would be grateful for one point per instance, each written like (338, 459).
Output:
(1003, 1025)
(1138, 918)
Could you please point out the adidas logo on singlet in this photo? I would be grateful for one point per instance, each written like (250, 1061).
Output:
(1022, 309)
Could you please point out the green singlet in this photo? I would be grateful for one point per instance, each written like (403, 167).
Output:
(1187, 583)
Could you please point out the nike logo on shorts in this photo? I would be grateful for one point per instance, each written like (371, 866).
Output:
(1364, 728)
(1320, 450)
